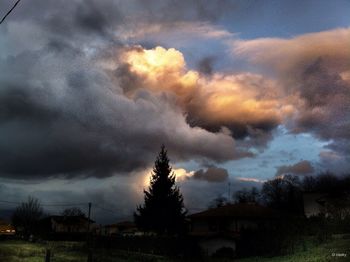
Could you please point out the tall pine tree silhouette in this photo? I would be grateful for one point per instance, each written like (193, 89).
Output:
(163, 210)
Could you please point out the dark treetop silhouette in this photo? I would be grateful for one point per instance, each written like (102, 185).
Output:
(73, 212)
(163, 210)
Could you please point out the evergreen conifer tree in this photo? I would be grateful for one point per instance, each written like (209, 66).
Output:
(163, 209)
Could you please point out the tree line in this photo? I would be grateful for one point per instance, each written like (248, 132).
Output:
(285, 193)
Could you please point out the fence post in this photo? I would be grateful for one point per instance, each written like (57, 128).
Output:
(48, 255)
(89, 259)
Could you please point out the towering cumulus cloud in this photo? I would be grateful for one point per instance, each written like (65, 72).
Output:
(245, 103)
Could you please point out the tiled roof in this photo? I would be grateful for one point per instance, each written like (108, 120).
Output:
(238, 211)
(126, 224)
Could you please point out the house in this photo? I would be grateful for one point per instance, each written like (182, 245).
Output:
(313, 204)
(220, 227)
(6, 229)
(231, 219)
(125, 228)
(68, 224)
(110, 230)
(331, 205)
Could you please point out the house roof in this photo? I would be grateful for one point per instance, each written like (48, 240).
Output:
(3, 222)
(4, 227)
(253, 211)
(327, 197)
(111, 226)
(123, 224)
(126, 224)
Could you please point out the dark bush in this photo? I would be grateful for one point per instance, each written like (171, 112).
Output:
(224, 252)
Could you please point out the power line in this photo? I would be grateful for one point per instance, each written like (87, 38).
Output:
(13, 7)
(64, 205)
(9, 202)
(60, 205)
(105, 209)
(46, 204)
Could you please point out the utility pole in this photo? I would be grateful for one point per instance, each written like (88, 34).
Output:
(89, 259)
(89, 214)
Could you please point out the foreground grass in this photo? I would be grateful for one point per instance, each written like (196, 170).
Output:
(20, 251)
(320, 253)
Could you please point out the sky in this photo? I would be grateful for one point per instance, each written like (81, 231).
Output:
(238, 91)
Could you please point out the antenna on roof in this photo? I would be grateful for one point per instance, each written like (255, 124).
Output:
(229, 192)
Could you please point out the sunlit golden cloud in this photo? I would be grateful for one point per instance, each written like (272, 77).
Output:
(162, 69)
(181, 174)
(244, 99)
(182, 30)
(250, 179)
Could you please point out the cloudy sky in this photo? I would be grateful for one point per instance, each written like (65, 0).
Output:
(238, 91)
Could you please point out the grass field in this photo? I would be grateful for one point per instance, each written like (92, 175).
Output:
(320, 253)
(20, 251)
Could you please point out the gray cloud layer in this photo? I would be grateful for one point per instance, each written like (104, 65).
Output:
(62, 115)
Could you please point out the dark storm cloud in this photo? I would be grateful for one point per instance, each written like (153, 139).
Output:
(170, 11)
(128, 81)
(73, 18)
(77, 192)
(327, 111)
(64, 117)
(327, 101)
(258, 134)
(85, 28)
(79, 20)
(205, 65)
(61, 115)
(211, 174)
(301, 168)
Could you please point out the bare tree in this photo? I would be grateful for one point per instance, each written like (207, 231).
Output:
(27, 215)
(283, 193)
(219, 201)
(73, 212)
(247, 196)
